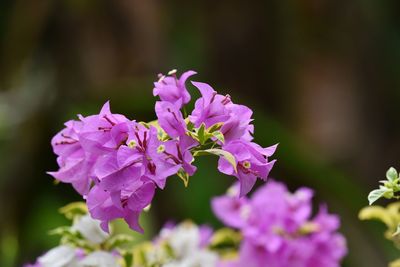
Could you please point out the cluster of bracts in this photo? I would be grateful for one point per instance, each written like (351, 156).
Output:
(117, 163)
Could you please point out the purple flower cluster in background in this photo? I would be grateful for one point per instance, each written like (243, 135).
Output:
(278, 229)
(117, 163)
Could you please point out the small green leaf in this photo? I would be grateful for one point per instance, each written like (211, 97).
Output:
(392, 174)
(219, 152)
(62, 230)
(193, 135)
(74, 209)
(128, 258)
(201, 133)
(225, 237)
(215, 127)
(219, 136)
(397, 232)
(117, 241)
(190, 126)
(376, 194)
(376, 213)
(184, 176)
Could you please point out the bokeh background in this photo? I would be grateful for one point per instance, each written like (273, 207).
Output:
(322, 77)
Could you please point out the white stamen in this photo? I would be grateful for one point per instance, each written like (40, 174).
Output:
(171, 72)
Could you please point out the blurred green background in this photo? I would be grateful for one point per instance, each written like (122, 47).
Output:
(322, 77)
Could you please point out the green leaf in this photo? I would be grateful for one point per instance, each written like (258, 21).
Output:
(219, 136)
(184, 176)
(62, 230)
(193, 135)
(74, 209)
(377, 213)
(201, 134)
(392, 174)
(215, 127)
(139, 253)
(189, 125)
(219, 152)
(128, 258)
(376, 194)
(117, 241)
(397, 232)
(225, 237)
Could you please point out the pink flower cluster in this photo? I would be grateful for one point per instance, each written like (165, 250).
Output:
(278, 229)
(117, 163)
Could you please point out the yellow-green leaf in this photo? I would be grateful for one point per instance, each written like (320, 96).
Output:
(377, 213)
(74, 209)
(219, 136)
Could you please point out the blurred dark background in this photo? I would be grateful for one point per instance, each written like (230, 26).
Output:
(322, 77)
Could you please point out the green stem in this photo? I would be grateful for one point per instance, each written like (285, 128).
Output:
(184, 112)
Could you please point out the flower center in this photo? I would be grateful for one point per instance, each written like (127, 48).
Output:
(247, 164)
(160, 149)
(132, 144)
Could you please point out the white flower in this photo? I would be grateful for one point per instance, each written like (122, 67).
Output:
(201, 258)
(184, 240)
(61, 256)
(99, 259)
(90, 229)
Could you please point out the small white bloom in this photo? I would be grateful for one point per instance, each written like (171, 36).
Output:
(99, 259)
(90, 229)
(61, 256)
(201, 258)
(184, 240)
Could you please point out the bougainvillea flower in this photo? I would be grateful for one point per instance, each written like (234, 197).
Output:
(75, 171)
(278, 229)
(252, 162)
(75, 165)
(113, 157)
(81, 143)
(170, 119)
(66, 143)
(117, 170)
(238, 125)
(158, 166)
(178, 151)
(211, 108)
(103, 132)
(146, 150)
(231, 209)
(173, 90)
(126, 204)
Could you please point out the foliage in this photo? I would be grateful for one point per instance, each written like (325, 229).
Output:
(389, 215)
